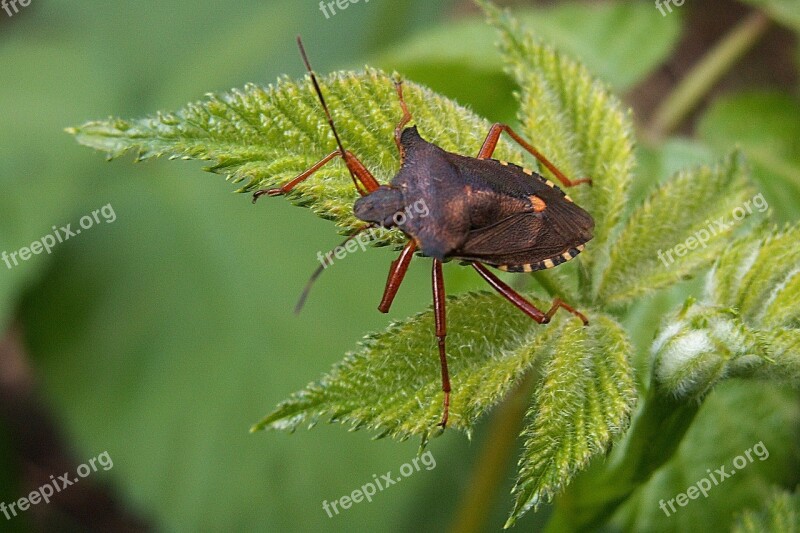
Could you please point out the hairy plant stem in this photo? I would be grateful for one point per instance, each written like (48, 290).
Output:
(705, 74)
(655, 434)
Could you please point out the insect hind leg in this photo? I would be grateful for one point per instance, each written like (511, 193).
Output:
(440, 319)
(493, 137)
(523, 304)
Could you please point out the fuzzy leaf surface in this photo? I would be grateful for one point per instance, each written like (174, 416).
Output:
(392, 383)
(681, 227)
(759, 276)
(747, 328)
(582, 403)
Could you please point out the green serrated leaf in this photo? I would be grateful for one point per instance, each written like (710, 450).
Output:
(575, 121)
(267, 135)
(392, 383)
(779, 514)
(710, 344)
(264, 136)
(732, 421)
(759, 276)
(681, 228)
(568, 428)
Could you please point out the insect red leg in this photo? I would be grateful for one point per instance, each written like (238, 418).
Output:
(441, 333)
(291, 184)
(360, 174)
(524, 305)
(490, 144)
(398, 130)
(396, 274)
(357, 169)
(558, 303)
(362, 178)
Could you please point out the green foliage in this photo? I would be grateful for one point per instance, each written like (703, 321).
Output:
(566, 430)
(644, 258)
(747, 327)
(392, 383)
(585, 389)
(643, 38)
(574, 119)
(780, 514)
(734, 418)
(266, 136)
(163, 336)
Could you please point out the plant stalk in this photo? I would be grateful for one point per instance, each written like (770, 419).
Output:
(492, 464)
(706, 73)
(655, 434)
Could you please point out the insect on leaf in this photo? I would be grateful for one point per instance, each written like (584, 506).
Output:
(265, 136)
(574, 120)
(392, 383)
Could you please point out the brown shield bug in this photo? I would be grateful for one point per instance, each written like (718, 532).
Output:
(481, 211)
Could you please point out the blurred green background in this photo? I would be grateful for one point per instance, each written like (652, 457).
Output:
(163, 336)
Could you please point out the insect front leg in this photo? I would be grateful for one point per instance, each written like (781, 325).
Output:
(363, 179)
(522, 304)
(441, 332)
(396, 274)
(291, 184)
(490, 144)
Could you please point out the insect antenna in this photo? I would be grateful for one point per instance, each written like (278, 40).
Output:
(325, 108)
(318, 272)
